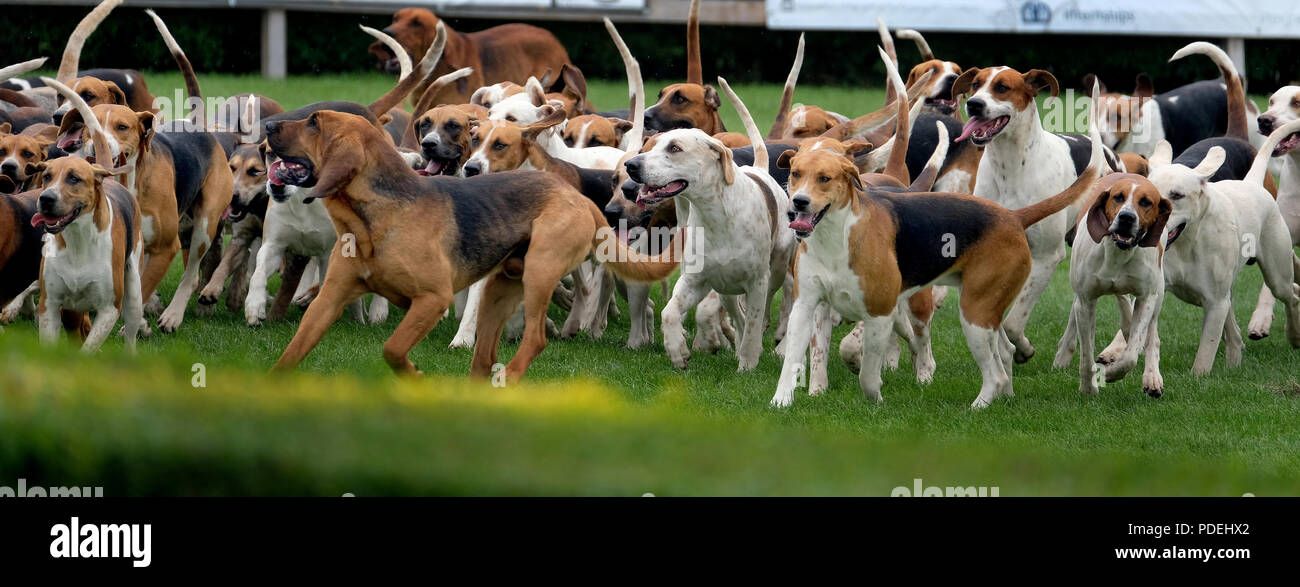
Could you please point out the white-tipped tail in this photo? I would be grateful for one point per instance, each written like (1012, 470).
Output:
(1259, 167)
(635, 88)
(403, 59)
(1217, 55)
(1097, 162)
(921, 44)
(72, 51)
(23, 68)
(751, 129)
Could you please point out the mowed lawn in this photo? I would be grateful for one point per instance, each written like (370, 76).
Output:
(595, 418)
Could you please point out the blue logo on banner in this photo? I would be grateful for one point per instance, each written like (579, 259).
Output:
(1034, 12)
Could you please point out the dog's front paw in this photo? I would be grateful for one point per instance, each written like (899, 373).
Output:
(1153, 384)
(1118, 369)
(171, 319)
(924, 369)
(10, 313)
(681, 358)
(209, 296)
(782, 399)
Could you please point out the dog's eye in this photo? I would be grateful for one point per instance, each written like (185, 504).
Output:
(511, 118)
(596, 143)
(452, 127)
(568, 141)
(254, 172)
(87, 96)
(123, 128)
(47, 178)
(73, 180)
(28, 154)
(499, 146)
(673, 148)
(1000, 87)
(795, 175)
(823, 178)
(3, 152)
(679, 99)
(1145, 203)
(474, 142)
(1175, 196)
(1118, 198)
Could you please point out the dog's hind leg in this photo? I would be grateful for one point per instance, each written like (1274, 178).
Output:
(641, 315)
(1069, 341)
(1018, 316)
(20, 303)
(466, 332)
(132, 304)
(1233, 345)
(291, 278)
(1115, 349)
(500, 296)
(105, 320)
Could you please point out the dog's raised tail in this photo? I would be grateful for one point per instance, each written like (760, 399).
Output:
(751, 129)
(1034, 212)
(636, 90)
(1237, 124)
(887, 46)
(23, 68)
(631, 264)
(403, 58)
(1259, 168)
(694, 68)
(896, 166)
(72, 51)
(102, 151)
(787, 95)
(924, 181)
(187, 69)
(921, 44)
(403, 88)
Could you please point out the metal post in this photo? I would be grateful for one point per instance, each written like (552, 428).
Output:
(1236, 49)
(274, 53)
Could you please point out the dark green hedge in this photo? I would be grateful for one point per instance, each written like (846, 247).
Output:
(227, 40)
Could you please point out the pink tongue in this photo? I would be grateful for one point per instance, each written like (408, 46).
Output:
(274, 173)
(972, 125)
(802, 222)
(40, 219)
(67, 140)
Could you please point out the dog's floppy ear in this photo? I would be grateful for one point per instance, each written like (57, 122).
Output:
(575, 86)
(6, 128)
(1091, 79)
(1039, 79)
(784, 160)
(480, 96)
(621, 127)
(1211, 163)
(711, 97)
(1143, 87)
(548, 116)
(856, 148)
(70, 119)
(724, 160)
(1157, 228)
(339, 166)
(46, 136)
(102, 172)
(1098, 224)
(535, 92)
(146, 136)
(961, 86)
(119, 97)
(1162, 155)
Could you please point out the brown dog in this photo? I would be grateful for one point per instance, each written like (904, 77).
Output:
(418, 240)
(506, 53)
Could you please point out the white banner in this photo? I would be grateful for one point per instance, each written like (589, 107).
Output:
(1216, 18)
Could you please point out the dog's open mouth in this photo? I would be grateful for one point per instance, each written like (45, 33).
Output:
(291, 172)
(1173, 234)
(651, 195)
(982, 130)
(942, 105)
(55, 224)
(1124, 241)
(1287, 145)
(235, 212)
(804, 222)
(440, 166)
(71, 140)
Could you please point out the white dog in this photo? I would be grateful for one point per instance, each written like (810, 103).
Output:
(1215, 228)
(1283, 108)
(734, 220)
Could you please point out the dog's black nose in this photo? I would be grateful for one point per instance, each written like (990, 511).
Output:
(975, 107)
(1266, 124)
(801, 202)
(9, 168)
(47, 200)
(633, 167)
(613, 212)
(272, 127)
(630, 188)
(472, 168)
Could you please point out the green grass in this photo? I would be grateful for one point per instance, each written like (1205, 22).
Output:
(595, 418)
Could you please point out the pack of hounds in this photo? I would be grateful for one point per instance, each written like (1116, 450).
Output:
(503, 191)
